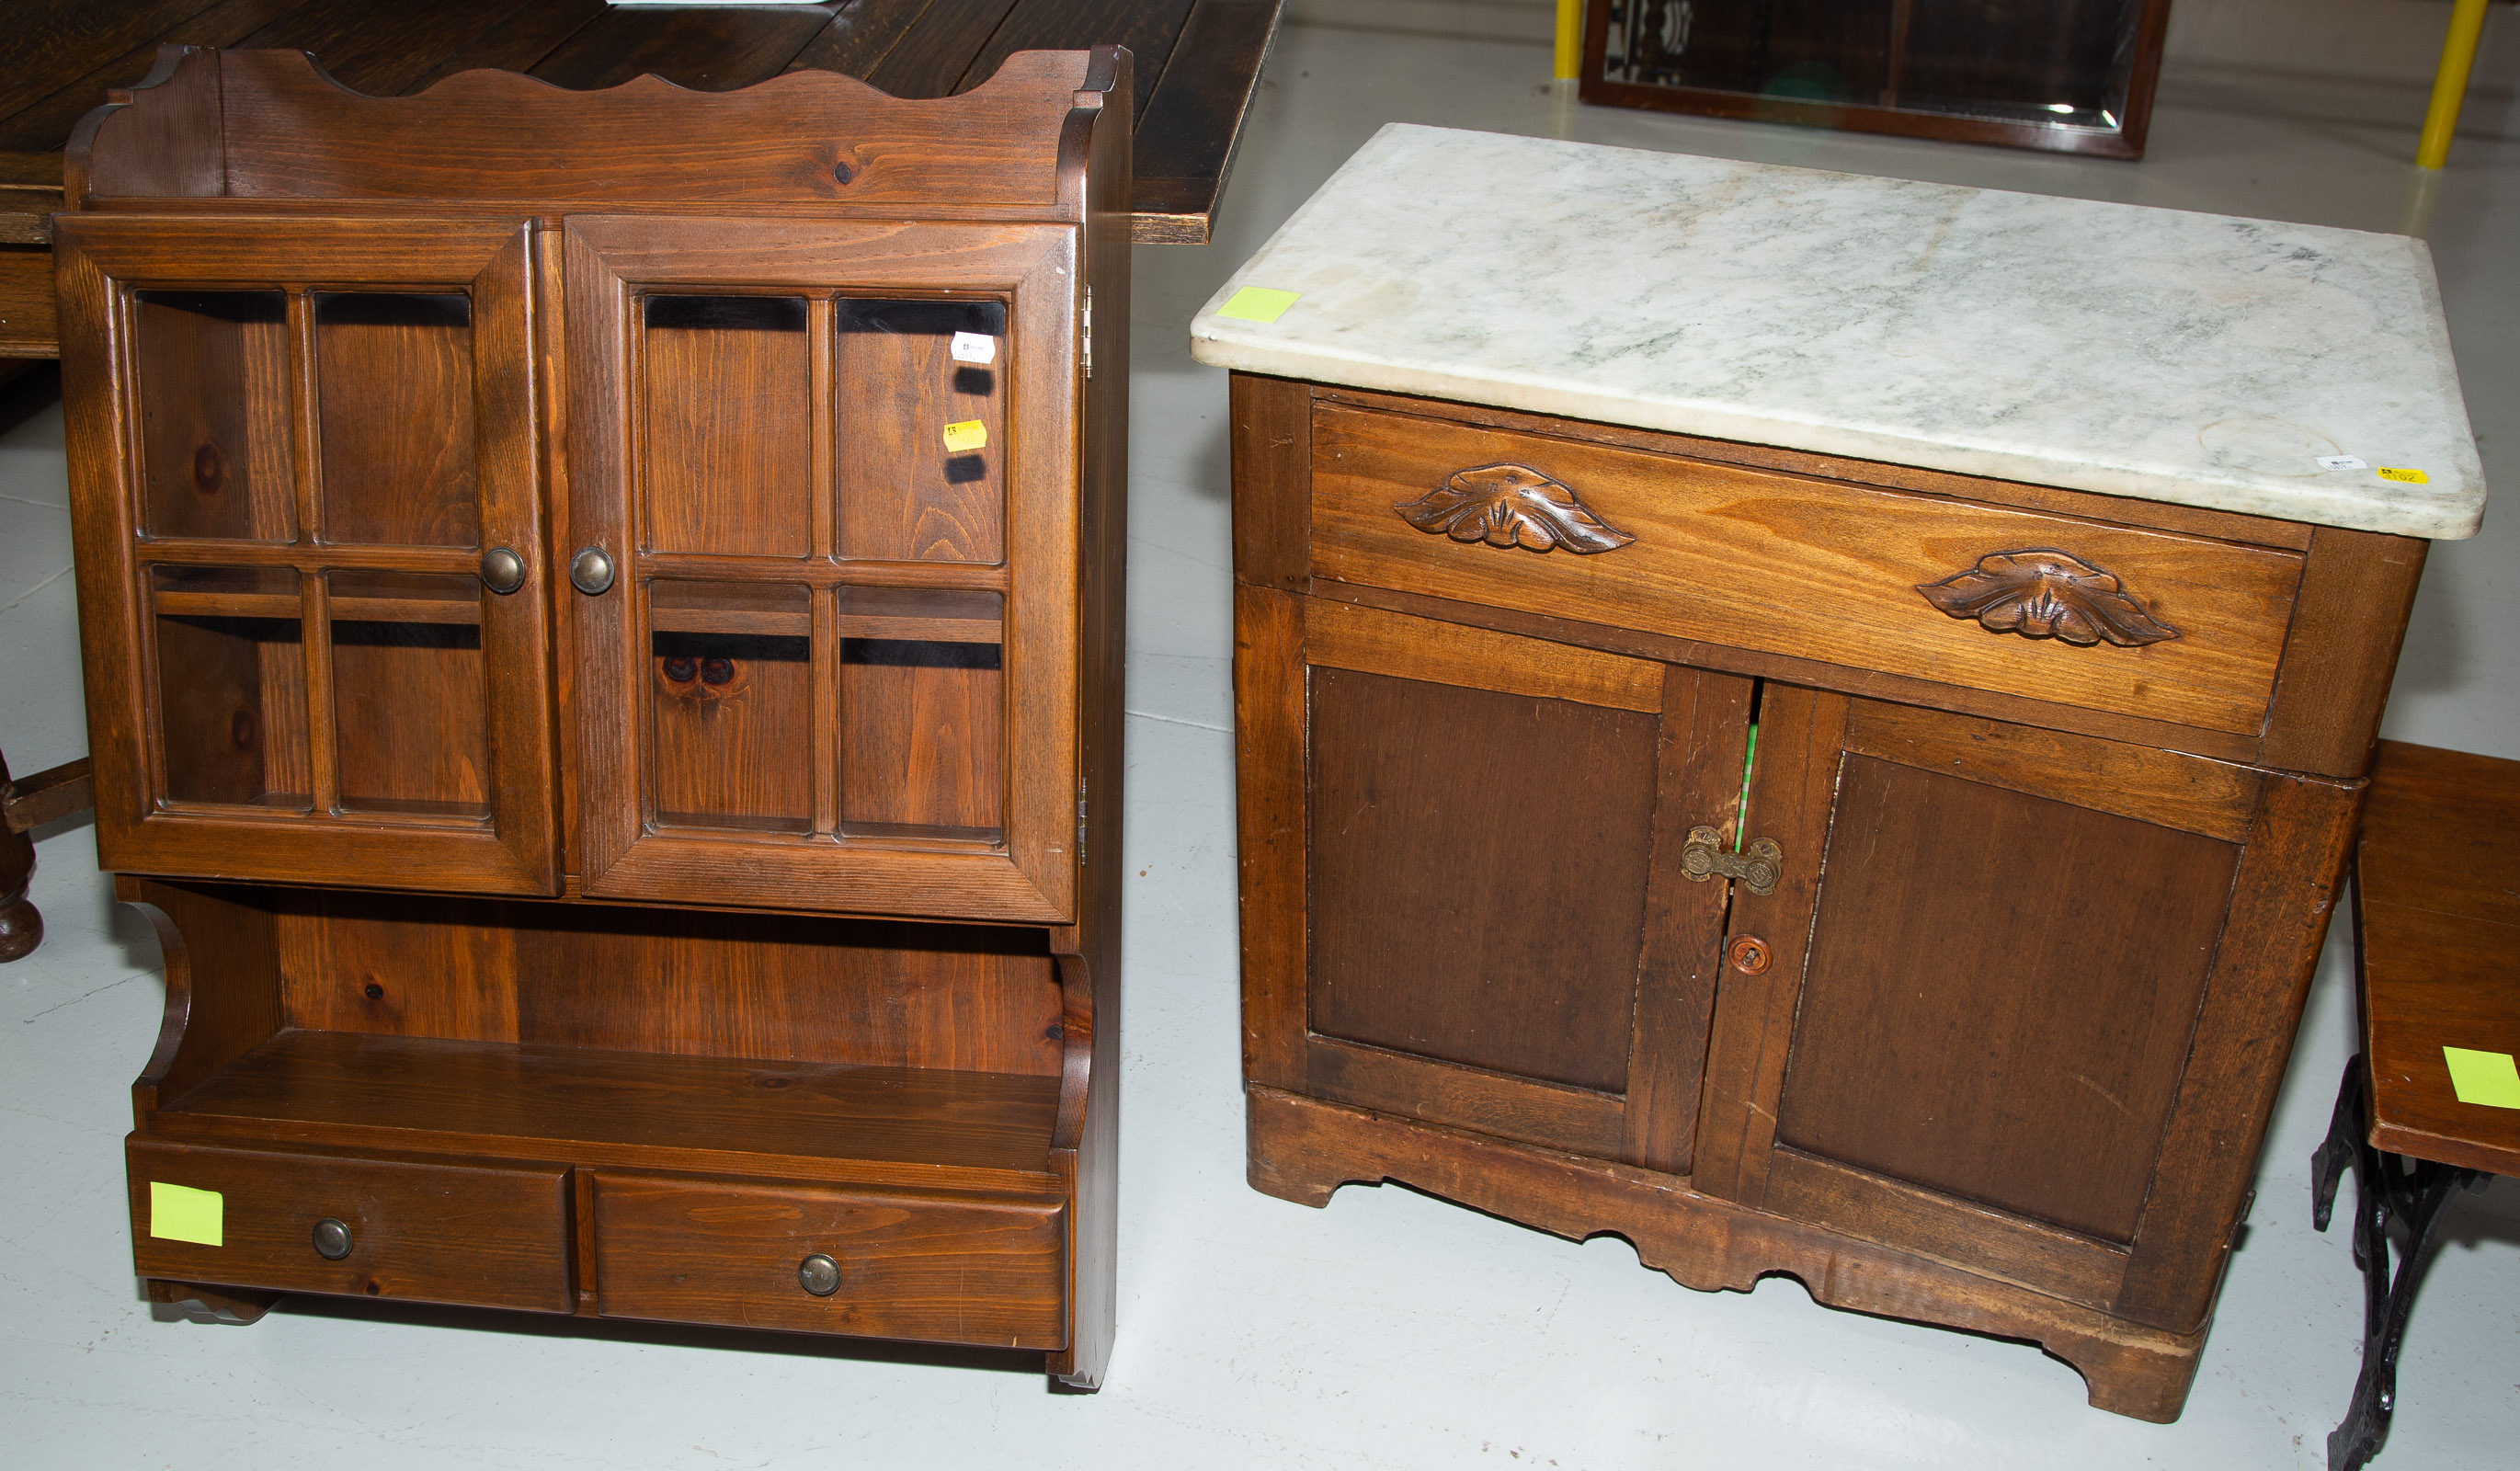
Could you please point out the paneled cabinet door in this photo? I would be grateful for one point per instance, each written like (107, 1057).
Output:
(2014, 1008)
(1494, 928)
(313, 604)
(823, 529)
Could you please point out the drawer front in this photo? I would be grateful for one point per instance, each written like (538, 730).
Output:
(909, 1265)
(1810, 568)
(493, 1236)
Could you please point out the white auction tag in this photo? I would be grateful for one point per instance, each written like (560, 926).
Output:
(2340, 461)
(975, 347)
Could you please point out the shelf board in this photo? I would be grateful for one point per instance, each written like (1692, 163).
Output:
(285, 606)
(594, 1108)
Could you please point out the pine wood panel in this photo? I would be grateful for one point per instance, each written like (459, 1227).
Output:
(394, 374)
(1369, 641)
(508, 763)
(1301, 1149)
(1992, 1243)
(922, 741)
(912, 1266)
(210, 377)
(724, 460)
(1032, 874)
(1190, 117)
(514, 139)
(1271, 831)
(720, 985)
(1491, 923)
(1817, 570)
(2213, 798)
(599, 1107)
(902, 496)
(492, 1237)
(2437, 886)
(1793, 783)
(1498, 1105)
(709, 49)
(2271, 937)
(1985, 1016)
(1272, 462)
(1698, 756)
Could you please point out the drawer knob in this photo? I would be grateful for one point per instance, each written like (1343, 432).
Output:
(819, 1274)
(1512, 506)
(331, 1239)
(2040, 593)
(590, 571)
(503, 571)
(1702, 858)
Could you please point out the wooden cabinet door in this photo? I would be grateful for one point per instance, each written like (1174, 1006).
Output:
(2021, 999)
(1464, 895)
(828, 472)
(298, 447)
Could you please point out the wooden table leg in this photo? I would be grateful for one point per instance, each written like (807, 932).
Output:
(53, 793)
(2414, 1191)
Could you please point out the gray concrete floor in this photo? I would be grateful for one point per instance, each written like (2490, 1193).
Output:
(1389, 1329)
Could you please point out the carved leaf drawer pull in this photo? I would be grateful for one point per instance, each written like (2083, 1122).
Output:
(1512, 506)
(2040, 593)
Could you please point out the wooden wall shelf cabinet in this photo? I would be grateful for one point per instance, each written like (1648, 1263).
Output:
(602, 622)
(1802, 862)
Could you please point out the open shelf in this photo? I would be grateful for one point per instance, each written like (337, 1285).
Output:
(593, 1106)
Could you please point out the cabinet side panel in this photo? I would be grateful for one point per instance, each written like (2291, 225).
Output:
(1270, 837)
(2280, 906)
(1478, 874)
(2000, 993)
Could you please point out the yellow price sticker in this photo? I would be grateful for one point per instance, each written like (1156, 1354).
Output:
(1257, 304)
(180, 1212)
(2404, 476)
(968, 435)
(2490, 1079)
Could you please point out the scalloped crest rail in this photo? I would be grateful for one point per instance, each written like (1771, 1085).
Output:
(1198, 66)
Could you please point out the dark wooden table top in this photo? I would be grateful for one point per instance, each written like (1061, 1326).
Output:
(1197, 63)
(2438, 930)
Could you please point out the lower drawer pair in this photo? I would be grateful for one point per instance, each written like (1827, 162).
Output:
(887, 1264)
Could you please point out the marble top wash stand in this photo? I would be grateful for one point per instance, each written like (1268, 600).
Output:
(1812, 722)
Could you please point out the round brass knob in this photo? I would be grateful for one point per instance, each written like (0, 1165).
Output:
(1748, 955)
(502, 571)
(819, 1274)
(331, 1239)
(590, 571)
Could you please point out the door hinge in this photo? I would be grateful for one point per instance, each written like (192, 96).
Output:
(1089, 331)
(1080, 824)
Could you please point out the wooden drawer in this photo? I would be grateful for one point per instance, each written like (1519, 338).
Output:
(1793, 565)
(489, 1235)
(946, 1269)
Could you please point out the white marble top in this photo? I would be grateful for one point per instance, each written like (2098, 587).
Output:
(2190, 358)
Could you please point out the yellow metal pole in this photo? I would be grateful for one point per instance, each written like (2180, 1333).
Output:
(2450, 84)
(1570, 40)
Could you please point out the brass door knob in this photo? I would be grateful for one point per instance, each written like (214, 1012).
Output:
(331, 1239)
(590, 571)
(819, 1274)
(502, 571)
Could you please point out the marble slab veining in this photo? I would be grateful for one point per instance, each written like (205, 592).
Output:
(2197, 359)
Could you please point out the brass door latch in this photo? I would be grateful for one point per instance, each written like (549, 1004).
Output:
(1702, 858)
